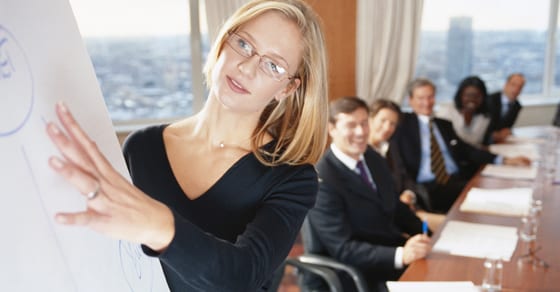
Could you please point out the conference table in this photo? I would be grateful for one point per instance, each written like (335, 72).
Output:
(518, 275)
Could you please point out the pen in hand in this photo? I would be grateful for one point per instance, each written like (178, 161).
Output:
(425, 227)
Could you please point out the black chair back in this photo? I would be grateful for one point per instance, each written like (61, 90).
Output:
(308, 281)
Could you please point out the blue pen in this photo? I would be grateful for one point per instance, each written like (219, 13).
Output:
(425, 227)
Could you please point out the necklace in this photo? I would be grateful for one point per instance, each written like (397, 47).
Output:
(222, 145)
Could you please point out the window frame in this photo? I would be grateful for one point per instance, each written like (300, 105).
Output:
(122, 127)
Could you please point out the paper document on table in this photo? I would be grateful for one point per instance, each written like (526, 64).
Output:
(506, 202)
(477, 240)
(521, 139)
(510, 172)
(443, 286)
(529, 150)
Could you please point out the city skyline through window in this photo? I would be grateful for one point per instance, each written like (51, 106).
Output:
(490, 39)
(141, 53)
(141, 50)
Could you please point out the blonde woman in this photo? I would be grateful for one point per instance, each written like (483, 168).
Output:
(220, 196)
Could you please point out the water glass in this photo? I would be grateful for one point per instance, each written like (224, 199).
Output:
(493, 273)
(529, 227)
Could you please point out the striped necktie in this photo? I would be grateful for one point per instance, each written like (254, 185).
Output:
(436, 159)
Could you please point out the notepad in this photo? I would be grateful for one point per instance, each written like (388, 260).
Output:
(510, 172)
(505, 202)
(477, 240)
(426, 286)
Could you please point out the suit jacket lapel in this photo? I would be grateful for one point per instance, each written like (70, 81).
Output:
(351, 180)
(413, 131)
(382, 180)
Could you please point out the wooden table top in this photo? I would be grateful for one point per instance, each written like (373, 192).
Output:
(517, 275)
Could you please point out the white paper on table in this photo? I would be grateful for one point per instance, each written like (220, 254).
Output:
(510, 172)
(524, 140)
(529, 150)
(477, 240)
(506, 202)
(426, 286)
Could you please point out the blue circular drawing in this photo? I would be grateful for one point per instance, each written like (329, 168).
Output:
(16, 84)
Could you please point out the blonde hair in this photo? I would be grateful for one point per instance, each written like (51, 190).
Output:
(298, 122)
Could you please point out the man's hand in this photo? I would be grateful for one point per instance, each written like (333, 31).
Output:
(415, 248)
(517, 161)
(408, 197)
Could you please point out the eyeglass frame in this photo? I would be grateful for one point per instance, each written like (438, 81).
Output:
(244, 53)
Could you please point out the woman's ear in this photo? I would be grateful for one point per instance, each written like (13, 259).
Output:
(288, 90)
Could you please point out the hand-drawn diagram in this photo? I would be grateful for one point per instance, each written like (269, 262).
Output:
(17, 83)
(137, 271)
(43, 61)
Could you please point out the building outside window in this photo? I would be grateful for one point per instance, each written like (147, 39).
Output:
(491, 39)
(141, 53)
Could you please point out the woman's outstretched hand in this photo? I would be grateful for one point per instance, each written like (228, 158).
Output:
(115, 207)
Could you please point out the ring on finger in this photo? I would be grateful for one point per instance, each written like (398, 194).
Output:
(93, 194)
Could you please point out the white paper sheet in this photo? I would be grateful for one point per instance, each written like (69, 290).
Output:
(529, 150)
(43, 60)
(523, 140)
(443, 286)
(510, 172)
(477, 240)
(506, 202)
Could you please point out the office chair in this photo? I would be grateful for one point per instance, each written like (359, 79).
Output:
(328, 275)
(310, 280)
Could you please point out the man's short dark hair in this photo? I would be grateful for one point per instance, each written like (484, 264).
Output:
(346, 105)
(382, 103)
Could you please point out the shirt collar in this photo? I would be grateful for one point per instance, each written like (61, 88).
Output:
(505, 99)
(345, 159)
(424, 119)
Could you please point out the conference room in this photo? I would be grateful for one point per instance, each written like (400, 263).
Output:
(123, 69)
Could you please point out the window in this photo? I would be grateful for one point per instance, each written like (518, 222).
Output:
(491, 39)
(141, 52)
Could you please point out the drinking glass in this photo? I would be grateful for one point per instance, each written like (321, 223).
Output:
(493, 273)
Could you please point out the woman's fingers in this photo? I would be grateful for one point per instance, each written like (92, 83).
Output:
(85, 183)
(88, 146)
(114, 207)
(80, 219)
(69, 149)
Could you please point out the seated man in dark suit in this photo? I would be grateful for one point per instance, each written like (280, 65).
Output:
(504, 107)
(358, 217)
(431, 152)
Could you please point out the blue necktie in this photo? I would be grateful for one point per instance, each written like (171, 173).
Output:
(364, 175)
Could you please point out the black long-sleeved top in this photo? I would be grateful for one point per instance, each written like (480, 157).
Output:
(236, 234)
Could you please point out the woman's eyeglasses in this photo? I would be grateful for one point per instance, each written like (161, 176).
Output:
(270, 67)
